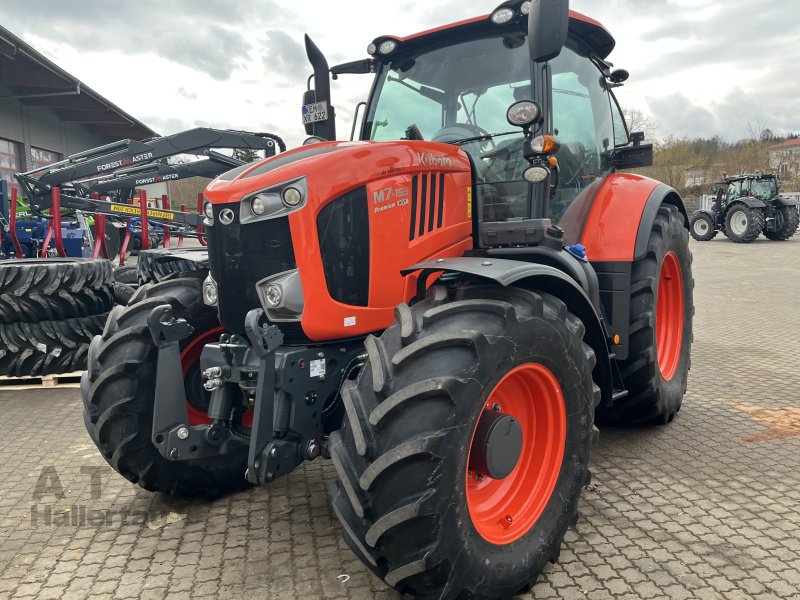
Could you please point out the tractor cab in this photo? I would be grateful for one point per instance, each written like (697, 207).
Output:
(455, 84)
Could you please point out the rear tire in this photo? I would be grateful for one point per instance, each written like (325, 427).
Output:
(702, 227)
(656, 374)
(789, 220)
(119, 389)
(407, 508)
(744, 224)
(54, 289)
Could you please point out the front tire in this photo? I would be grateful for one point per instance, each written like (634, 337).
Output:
(119, 389)
(408, 495)
(744, 224)
(702, 227)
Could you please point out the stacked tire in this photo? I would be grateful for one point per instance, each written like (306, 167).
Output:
(49, 312)
(165, 264)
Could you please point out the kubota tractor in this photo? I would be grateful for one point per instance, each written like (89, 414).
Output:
(744, 207)
(444, 307)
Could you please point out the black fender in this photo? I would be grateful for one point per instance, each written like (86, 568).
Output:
(541, 277)
(783, 201)
(748, 202)
(705, 211)
(662, 194)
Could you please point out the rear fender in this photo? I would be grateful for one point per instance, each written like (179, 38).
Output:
(539, 277)
(612, 218)
(781, 201)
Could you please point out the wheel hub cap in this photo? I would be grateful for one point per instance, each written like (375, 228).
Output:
(496, 446)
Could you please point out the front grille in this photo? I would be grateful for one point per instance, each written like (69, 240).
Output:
(242, 255)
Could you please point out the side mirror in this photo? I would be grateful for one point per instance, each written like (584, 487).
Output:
(548, 24)
(633, 157)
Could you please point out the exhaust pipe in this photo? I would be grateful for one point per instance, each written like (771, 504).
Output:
(325, 128)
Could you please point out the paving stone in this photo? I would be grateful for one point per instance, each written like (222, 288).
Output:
(704, 508)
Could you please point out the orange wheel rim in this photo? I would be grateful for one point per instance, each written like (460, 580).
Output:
(669, 316)
(504, 510)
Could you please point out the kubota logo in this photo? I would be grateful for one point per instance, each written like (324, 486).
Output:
(430, 160)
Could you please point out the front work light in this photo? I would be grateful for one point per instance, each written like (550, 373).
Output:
(523, 113)
(258, 207)
(210, 294)
(535, 174)
(502, 16)
(273, 295)
(387, 47)
(292, 196)
(208, 209)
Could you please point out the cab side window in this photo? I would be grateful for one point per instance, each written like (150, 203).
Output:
(583, 120)
(621, 134)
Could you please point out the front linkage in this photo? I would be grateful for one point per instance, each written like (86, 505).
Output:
(290, 390)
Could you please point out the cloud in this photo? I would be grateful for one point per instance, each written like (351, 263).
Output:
(200, 34)
(186, 94)
(284, 55)
(730, 117)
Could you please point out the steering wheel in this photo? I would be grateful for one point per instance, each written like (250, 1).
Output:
(460, 131)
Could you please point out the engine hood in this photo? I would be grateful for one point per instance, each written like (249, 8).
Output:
(333, 168)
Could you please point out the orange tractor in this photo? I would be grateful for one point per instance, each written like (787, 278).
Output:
(444, 307)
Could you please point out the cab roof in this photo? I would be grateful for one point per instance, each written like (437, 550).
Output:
(589, 31)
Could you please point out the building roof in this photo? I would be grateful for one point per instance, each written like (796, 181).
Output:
(34, 80)
(786, 144)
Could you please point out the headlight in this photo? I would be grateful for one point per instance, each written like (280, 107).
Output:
(545, 144)
(292, 196)
(525, 9)
(387, 47)
(372, 49)
(502, 16)
(210, 294)
(258, 206)
(208, 209)
(273, 295)
(523, 113)
(535, 174)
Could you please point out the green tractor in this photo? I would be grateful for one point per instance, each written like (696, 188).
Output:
(744, 207)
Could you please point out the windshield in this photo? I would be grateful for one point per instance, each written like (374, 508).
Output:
(763, 189)
(452, 94)
(461, 92)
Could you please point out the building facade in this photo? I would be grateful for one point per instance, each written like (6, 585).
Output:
(784, 159)
(46, 114)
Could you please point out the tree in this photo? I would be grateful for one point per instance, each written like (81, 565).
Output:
(247, 155)
(639, 121)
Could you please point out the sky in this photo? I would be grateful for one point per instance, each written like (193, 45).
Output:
(698, 67)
